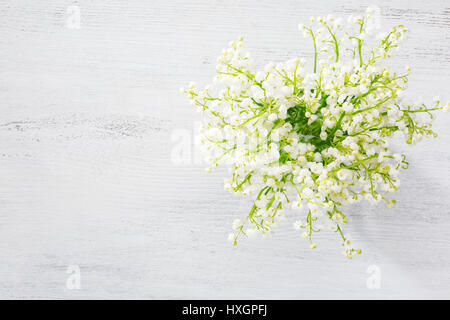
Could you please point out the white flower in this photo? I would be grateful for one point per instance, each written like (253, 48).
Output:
(237, 223)
(348, 107)
(446, 107)
(272, 117)
(307, 193)
(344, 174)
(314, 141)
(269, 67)
(251, 233)
(298, 225)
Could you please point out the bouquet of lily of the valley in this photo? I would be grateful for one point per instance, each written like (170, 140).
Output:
(316, 138)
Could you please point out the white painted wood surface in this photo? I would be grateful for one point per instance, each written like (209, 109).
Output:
(86, 122)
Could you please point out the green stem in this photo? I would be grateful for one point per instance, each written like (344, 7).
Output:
(315, 50)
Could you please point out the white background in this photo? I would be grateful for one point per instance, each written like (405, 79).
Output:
(86, 177)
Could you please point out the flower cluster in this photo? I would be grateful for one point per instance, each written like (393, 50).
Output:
(312, 141)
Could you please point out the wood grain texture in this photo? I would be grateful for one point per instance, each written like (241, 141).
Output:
(87, 177)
